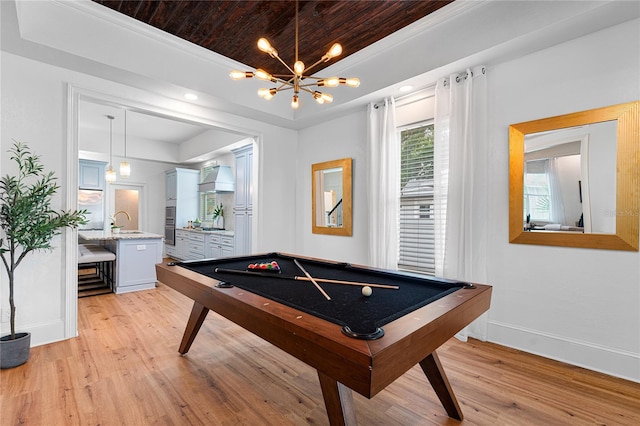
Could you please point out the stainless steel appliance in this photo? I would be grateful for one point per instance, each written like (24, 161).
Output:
(170, 226)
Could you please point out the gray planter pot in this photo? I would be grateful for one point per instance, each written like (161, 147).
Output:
(14, 352)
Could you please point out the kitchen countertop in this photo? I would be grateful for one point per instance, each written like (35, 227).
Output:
(215, 231)
(108, 235)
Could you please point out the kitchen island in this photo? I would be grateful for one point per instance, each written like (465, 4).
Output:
(137, 253)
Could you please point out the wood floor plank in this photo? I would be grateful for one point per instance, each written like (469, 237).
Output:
(125, 369)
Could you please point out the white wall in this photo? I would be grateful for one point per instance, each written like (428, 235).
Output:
(581, 306)
(340, 138)
(577, 305)
(34, 110)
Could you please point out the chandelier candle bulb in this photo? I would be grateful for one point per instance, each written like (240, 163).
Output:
(265, 46)
(331, 82)
(263, 75)
(352, 82)
(335, 50)
(239, 75)
(266, 94)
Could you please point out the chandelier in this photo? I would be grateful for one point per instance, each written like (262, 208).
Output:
(296, 80)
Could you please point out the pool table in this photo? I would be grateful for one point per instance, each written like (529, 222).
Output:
(355, 342)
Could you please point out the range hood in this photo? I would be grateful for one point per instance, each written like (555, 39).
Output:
(219, 179)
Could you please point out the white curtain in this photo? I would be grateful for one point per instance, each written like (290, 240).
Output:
(384, 185)
(460, 135)
(555, 193)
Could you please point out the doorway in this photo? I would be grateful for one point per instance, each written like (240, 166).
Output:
(130, 199)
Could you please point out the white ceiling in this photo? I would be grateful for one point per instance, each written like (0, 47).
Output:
(93, 116)
(118, 48)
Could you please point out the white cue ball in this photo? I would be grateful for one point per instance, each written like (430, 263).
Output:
(366, 291)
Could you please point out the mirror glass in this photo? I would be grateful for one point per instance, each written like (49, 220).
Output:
(573, 179)
(331, 197)
(570, 179)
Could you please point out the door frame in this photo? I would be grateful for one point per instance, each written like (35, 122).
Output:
(142, 200)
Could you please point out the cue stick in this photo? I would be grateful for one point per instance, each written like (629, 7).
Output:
(328, 281)
(296, 277)
(311, 279)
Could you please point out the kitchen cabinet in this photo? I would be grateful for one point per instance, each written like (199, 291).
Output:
(91, 174)
(170, 251)
(242, 208)
(172, 187)
(196, 246)
(220, 246)
(136, 264)
(182, 193)
(182, 244)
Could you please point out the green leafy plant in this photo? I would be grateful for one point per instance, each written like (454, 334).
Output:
(218, 211)
(26, 219)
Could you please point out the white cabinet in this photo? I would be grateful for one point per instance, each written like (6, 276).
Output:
(196, 246)
(136, 263)
(242, 208)
(91, 174)
(170, 251)
(219, 246)
(182, 193)
(182, 244)
(172, 187)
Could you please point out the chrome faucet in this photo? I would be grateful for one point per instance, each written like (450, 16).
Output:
(117, 213)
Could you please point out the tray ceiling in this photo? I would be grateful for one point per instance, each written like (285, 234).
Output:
(232, 28)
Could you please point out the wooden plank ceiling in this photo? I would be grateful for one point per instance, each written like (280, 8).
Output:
(232, 28)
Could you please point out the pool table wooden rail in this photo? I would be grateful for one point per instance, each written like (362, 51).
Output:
(365, 366)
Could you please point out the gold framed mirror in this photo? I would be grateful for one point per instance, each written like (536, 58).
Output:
(530, 200)
(331, 197)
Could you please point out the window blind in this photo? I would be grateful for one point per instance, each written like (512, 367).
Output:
(417, 222)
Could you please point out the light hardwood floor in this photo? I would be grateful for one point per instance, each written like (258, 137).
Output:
(124, 369)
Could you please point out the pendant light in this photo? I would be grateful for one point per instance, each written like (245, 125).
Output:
(125, 167)
(110, 175)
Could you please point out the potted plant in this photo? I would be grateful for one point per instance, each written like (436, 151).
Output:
(27, 224)
(115, 229)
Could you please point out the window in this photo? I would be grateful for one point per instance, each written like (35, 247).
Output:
(208, 201)
(537, 193)
(417, 223)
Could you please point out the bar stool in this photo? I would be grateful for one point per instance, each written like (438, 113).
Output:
(95, 256)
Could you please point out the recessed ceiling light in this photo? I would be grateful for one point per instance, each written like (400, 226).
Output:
(404, 89)
(191, 96)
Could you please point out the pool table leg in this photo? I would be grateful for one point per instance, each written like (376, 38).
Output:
(338, 401)
(435, 373)
(198, 314)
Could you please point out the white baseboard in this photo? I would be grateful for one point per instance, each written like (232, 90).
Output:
(41, 334)
(611, 361)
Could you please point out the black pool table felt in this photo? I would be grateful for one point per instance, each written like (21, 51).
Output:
(347, 307)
